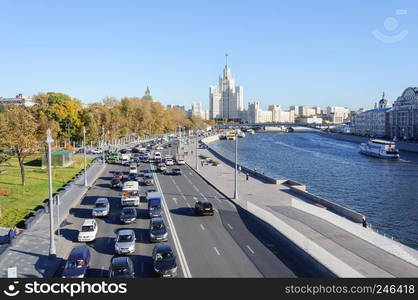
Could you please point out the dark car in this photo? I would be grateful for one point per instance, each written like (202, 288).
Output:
(128, 215)
(157, 230)
(115, 183)
(123, 151)
(135, 150)
(121, 267)
(77, 263)
(118, 175)
(132, 177)
(164, 260)
(176, 171)
(204, 207)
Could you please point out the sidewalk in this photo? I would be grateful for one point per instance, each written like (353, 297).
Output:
(30, 252)
(357, 247)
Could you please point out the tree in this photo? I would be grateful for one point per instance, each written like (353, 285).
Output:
(18, 132)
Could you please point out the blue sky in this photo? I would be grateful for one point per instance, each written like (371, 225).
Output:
(283, 52)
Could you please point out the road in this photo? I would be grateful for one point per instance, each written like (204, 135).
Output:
(229, 244)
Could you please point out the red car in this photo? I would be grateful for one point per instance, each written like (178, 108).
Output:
(204, 207)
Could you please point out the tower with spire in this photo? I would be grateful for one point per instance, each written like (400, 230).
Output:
(383, 103)
(226, 101)
(147, 95)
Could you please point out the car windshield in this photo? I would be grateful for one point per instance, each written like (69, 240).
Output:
(75, 264)
(120, 272)
(158, 226)
(128, 212)
(87, 228)
(125, 238)
(100, 205)
(164, 256)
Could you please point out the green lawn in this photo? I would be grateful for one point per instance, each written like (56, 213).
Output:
(22, 200)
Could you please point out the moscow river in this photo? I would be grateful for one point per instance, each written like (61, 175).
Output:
(386, 192)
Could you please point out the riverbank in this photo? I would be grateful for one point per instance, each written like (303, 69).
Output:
(342, 246)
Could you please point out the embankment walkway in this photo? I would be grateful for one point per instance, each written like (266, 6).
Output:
(342, 246)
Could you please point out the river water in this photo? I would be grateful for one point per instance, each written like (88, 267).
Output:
(386, 192)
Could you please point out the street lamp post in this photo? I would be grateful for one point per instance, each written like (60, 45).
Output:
(197, 142)
(236, 168)
(52, 250)
(85, 156)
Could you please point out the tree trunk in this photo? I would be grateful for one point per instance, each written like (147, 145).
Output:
(22, 170)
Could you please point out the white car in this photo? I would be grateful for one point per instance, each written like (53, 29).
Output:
(101, 207)
(169, 162)
(96, 151)
(180, 161)
(133, 169)
(159, 148)
(88, 231)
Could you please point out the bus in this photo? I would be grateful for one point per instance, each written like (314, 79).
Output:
(130, 194)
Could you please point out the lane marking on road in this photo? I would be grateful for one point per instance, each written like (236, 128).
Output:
(175, 200)
(216, 250)
(195, 198)
(187, 203)
(201, 226)
(229, 225)
(251, 250)
(182, 257)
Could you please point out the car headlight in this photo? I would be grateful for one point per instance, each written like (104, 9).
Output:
(152, 235)
(117, 247)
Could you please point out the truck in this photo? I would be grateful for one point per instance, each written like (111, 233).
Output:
(130, 194)
(154, 200)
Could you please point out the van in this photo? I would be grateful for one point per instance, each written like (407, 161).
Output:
(130, 194)
(154, 200)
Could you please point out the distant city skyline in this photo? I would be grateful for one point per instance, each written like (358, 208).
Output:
(282, 52)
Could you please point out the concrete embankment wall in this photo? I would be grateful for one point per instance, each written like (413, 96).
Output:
(293, 185)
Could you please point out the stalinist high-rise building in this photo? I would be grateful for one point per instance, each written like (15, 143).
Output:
(226, 101)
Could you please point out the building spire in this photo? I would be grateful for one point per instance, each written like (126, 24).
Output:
(226, 60)
(383, 96)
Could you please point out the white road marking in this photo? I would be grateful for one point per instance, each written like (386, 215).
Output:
(175, 200)
(229, 225)
(216, 250)
(251, 250)
(182, 257)
(188, 204)
(201, 226)
(194, 198)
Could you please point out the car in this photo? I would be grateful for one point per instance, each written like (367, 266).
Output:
(169, 162)
(115, 183)
(121, 267)
(133, 169)
(96, 151)
(77, 263)
(161, 167)
(88, 231)
(204, 207)
(101, 207)
(180, 161)
(164, 260)
(135, 150)
(157, 230)
(128, 215)
(159, 148)
(118, 175)
(132, 176)
(125, 241)
(176, 171)
(148, 179)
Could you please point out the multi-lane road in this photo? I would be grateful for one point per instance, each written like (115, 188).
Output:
(229, 244)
